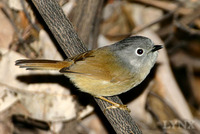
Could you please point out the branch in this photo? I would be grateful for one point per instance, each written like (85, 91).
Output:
(71, 44)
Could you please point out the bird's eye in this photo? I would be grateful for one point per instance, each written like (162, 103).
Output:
(139, 51)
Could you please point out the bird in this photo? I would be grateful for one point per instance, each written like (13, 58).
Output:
(106, 71)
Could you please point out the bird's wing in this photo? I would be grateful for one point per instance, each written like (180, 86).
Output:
(101, 65)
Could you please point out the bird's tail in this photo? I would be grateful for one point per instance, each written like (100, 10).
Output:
(42, 64)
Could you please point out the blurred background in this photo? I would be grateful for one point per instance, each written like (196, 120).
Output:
(45, 102)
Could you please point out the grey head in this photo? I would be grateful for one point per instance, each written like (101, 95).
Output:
(137, 52)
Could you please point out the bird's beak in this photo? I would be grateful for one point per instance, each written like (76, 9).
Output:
(156, 47)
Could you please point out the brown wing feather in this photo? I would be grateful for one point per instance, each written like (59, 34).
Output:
(83, 56)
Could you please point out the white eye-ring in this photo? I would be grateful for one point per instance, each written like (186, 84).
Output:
(139, 51)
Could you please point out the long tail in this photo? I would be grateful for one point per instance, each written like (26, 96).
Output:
(42, 64)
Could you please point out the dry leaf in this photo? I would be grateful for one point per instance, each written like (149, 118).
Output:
(49, 102)
(15, 4)
(7, 98)
(48, 48)
(6, 32)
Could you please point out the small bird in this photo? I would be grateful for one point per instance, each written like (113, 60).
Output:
(105, 71)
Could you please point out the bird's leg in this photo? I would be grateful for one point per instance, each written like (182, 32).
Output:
(114, 104)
